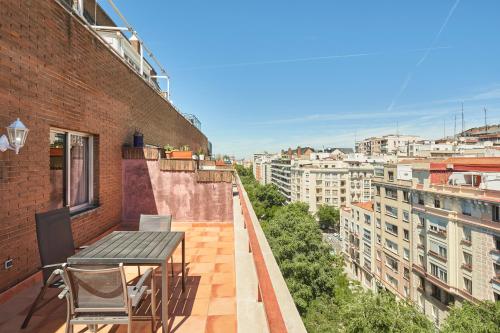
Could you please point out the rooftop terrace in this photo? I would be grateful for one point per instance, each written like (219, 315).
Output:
(229, 288)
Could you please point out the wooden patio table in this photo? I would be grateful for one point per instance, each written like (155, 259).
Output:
(137, 248)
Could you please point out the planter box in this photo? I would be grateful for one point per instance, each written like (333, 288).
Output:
(133, 153)
(181, 155)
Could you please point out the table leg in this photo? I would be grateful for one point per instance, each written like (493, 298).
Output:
(183, 265)
(164, 296)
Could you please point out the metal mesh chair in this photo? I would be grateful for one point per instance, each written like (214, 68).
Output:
(55, 244)
(156, 223)
(102, 296)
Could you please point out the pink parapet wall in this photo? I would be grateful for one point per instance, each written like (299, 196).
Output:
(147, 190)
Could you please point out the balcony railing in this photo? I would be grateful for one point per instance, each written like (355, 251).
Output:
(467, 267)
(281, 313)
(440, 233)
(437, 255)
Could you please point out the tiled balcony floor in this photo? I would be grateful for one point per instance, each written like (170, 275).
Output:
(208, 305)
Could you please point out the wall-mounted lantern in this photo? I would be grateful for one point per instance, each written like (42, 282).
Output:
(15, 138)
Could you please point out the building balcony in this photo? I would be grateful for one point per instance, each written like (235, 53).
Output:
(466, 242)
(439, 233)
(495, 255)
(466, 192)
(437, 256)
(467, 267)
(495, 283)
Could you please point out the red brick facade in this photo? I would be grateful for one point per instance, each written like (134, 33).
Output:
(54, 72)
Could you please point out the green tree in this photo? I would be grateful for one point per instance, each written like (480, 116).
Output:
(305, 261)
(364, 311)
(467, 318)
(328, 217)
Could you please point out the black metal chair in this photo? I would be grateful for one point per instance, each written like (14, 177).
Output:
(55, 244)
(156, 223)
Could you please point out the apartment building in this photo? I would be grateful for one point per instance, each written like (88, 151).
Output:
(392, 213)
(387, 144)
(357, 233)
(262, 167)
(330, 182)
(298, 153)
(281, 176)
(456, 232)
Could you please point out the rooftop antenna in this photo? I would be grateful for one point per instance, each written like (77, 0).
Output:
(463, 124)
(455, 128)
(485, 121)
(444, 129)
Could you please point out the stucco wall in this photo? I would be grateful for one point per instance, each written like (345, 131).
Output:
(148, 190)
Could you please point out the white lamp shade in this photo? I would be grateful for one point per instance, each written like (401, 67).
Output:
(17, 134)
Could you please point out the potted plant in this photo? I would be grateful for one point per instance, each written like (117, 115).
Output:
(168, 150)
(201, 154)
(183, 153)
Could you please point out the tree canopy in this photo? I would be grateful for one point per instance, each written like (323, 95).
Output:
(328, 217)
(467, 317)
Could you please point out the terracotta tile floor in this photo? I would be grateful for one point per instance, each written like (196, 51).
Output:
(208, 305)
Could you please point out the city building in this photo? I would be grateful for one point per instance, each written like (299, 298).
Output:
(298, 153)
(456, 232)
(281, 176)
(330, 182)
(392, 213)
(387, 144)
(435, 232)
(357, 233)
(262, 167)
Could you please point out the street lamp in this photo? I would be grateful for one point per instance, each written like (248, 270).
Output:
(15, 138)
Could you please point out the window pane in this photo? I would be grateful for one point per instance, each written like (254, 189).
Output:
(56, 170)
(79, 173)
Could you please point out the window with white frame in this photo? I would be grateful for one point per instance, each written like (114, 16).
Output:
(391, 211)
(71, 169)
(391, 263)
(468, 285)
(466, 208)
(390, 245)
(391, 228)
(438, 248)
(393, 281)
(367, 234)
(467, 234)
(406, 216)
(439, 272)
(406, 253)
(495, 213)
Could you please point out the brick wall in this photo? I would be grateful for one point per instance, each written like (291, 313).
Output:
(56, 73)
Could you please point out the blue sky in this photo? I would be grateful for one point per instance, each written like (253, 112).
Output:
(265, 75)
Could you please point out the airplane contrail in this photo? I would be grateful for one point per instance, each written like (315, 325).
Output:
(409, 76)
(292, 60)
